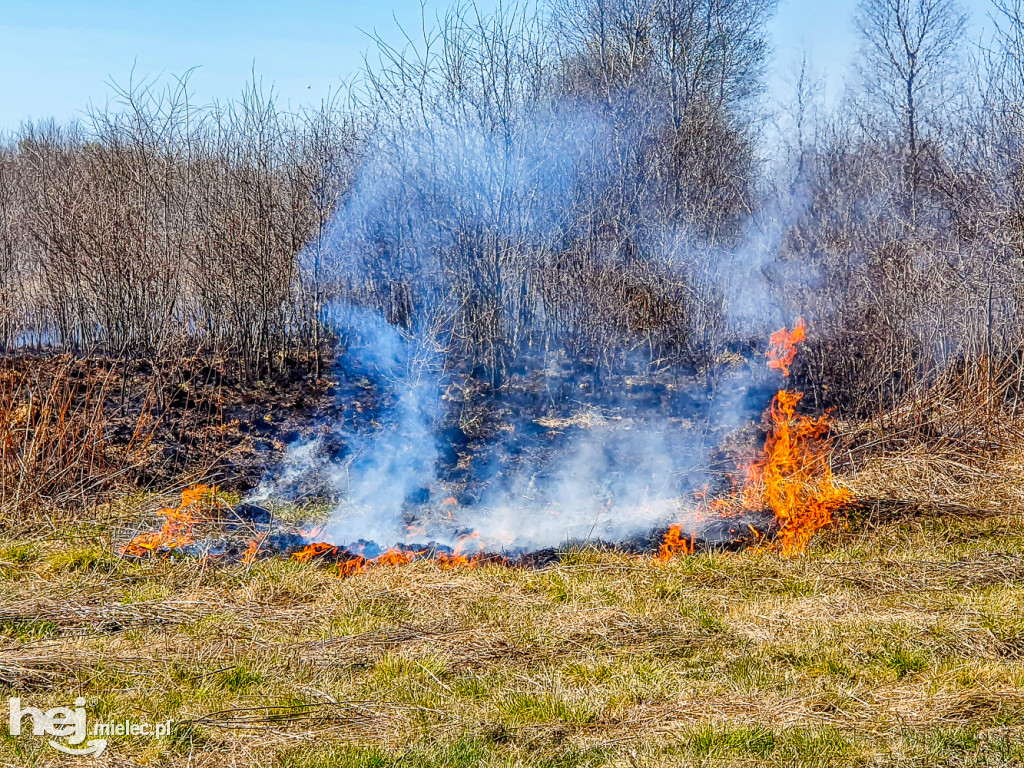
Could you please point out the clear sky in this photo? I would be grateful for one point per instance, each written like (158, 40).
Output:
(56, 57)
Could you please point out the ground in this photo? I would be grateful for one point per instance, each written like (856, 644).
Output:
(888, 643)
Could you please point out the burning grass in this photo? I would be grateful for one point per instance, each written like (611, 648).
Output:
(791, 477)
(899, 644)
(896, 641)
(176, 532)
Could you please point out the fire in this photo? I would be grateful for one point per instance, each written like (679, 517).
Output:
(675, 543)
(782, 346)
(395, 556)
(360, 564)
(312, 551)
(791, 476)
(447, 561)
(195, 493)
(253, 550)
(357, 564)
(176, 532)
(458, 557)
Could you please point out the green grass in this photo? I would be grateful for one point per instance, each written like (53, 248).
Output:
(239, 679)
(898, 647)
(87, 558)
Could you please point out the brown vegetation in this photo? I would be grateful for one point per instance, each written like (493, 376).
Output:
(554, 208)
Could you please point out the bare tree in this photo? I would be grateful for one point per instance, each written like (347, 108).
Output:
(909, 47)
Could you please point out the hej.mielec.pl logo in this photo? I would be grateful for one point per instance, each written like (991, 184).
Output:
(70, 724)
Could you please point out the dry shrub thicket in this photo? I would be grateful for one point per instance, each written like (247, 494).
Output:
(578, 182)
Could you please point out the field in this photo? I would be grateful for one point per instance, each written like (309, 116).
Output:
(630, 396)
(895, 642)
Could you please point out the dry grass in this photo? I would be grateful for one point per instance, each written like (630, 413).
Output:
(957, 445)
(896, 640)
(902, 645)
(56, 451)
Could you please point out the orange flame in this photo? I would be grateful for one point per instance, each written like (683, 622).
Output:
(447, 561)
(675, 543)
(357, 564)
(312, 551)
(395, 556)
(793, 476)
(253, 550)
(176, 531)
(782, 346)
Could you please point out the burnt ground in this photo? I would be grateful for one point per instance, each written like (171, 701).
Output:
(196, 420)
(179, 421)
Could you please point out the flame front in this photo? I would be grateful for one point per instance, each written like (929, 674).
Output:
(458, 557)
(357, 564)
(314, 550)
(395, 556)
(351, 563)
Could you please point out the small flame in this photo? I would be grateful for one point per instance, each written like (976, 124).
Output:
(253, 550)
(357, 564)
(176, 531)
(317, 549)
(447, 561)
(782, 346)
(675, 543)
(396, 556)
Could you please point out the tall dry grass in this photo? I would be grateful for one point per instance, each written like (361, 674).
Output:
(58, 450)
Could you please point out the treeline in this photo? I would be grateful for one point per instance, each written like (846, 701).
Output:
(162, 227)
(598, 183)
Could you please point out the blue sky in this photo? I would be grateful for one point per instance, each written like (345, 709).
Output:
(56, 57)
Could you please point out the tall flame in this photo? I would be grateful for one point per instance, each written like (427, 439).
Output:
(791, 476)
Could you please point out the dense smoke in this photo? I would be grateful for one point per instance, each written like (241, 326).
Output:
(506, 237)
(540, 254)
